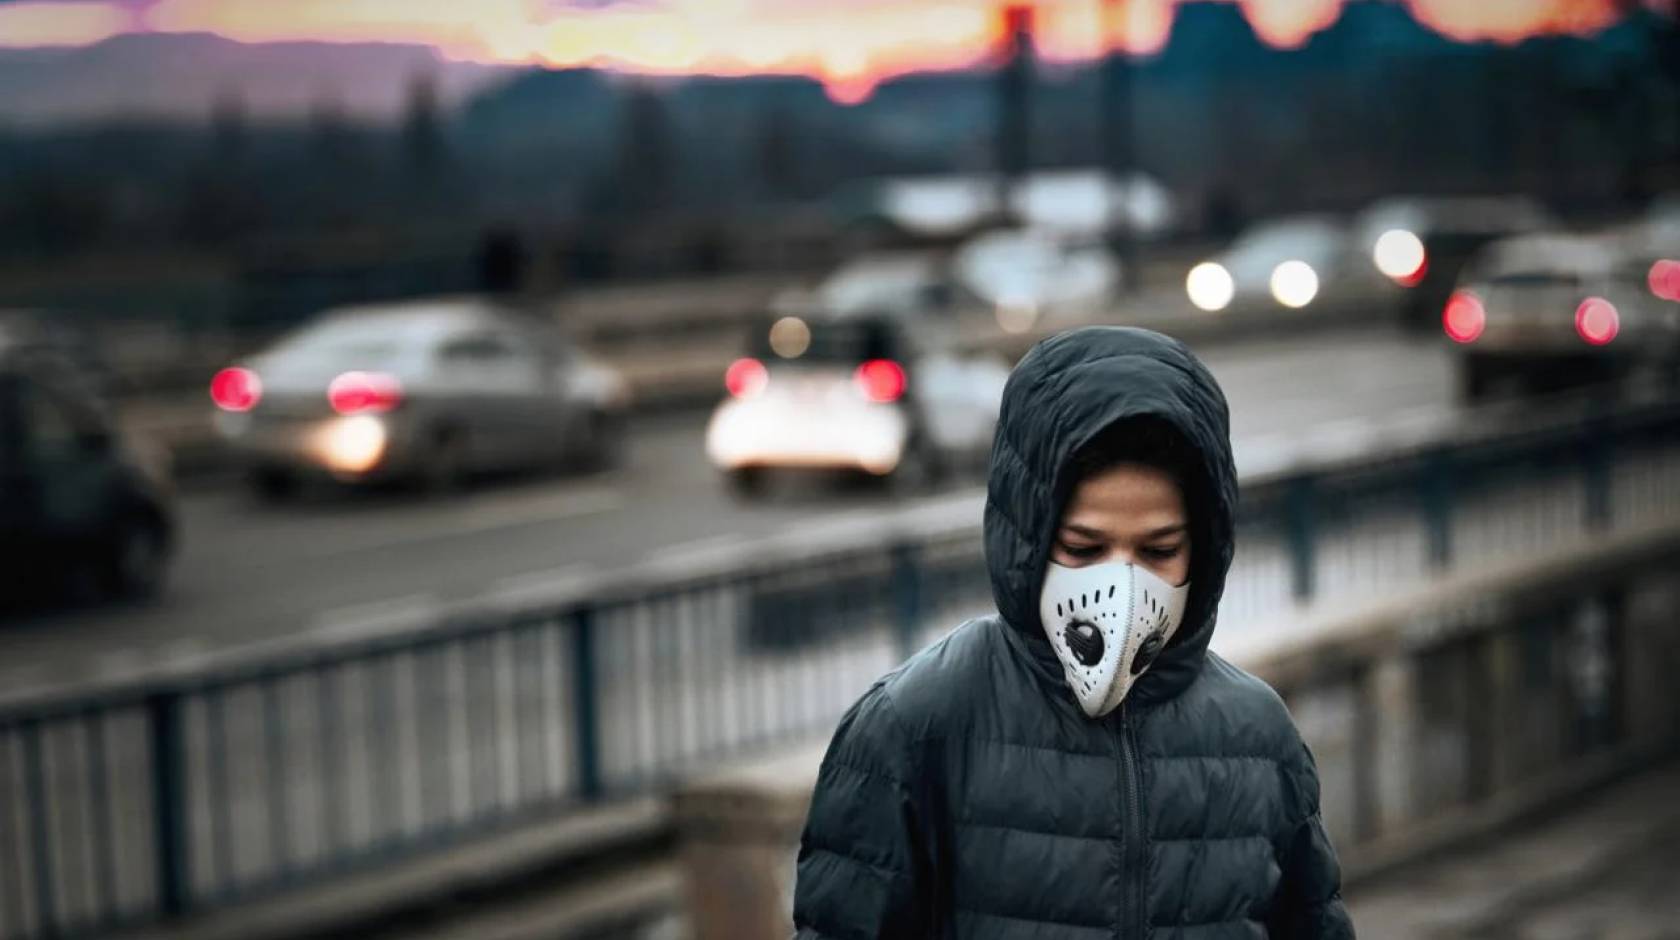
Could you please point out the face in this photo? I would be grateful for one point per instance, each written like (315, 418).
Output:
(1128, 513)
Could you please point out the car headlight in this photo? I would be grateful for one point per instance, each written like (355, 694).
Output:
(1210, 286)
(353, 444)
(1294, 284)
(1400, 255)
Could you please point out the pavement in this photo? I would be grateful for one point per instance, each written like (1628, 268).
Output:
(1607, 866)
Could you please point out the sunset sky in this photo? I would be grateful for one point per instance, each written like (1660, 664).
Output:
(849, 44)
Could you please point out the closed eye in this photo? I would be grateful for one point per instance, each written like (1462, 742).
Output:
(1082, 552)
(1161, 553)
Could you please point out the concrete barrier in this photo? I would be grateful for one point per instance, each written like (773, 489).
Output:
(1436, 716)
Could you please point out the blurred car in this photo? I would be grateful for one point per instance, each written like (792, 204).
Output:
(892, 282)
(1084, 202)
(874, 393)
(1421, 243)
(1549, 311)
(1026, 275)
(79, 500)
(1288, 261)
(426, 391)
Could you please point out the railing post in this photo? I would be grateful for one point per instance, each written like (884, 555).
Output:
(40, 822)
(165, 716)
(1438, 508)
(1596, 473)
(907, 597)
(586, 736)
(1300, 524)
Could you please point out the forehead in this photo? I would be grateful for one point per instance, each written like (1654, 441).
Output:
(1126, 496)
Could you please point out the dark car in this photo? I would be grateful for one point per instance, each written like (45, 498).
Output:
(80, 505)
(1548, 312)
(1422, 243)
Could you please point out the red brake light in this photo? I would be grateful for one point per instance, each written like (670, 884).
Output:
(1465, 317)
(746, 378)
(236, 389)
(1416, 277)
(1597, 321)
(880, 380)
(359, 392)
(1665, 279)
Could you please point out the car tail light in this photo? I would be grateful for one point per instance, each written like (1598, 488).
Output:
(1597, 321)
(1465, 317)
(364, 392)
(236, 389)
(880, 380)
(746, 378)
(1664, 279)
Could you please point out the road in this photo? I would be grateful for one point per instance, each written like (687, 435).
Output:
(249, 572)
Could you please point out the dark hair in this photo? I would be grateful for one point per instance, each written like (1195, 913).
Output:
(1150, 441)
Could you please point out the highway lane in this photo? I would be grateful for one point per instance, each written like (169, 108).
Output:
(249, 572)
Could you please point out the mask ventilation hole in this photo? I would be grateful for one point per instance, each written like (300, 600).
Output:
(1111, 591)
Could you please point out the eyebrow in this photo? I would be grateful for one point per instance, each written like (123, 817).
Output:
(1097, 534)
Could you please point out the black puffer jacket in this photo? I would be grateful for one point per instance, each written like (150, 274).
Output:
(966, 794)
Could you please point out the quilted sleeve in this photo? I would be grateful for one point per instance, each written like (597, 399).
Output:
(1309, 902)
(863, 869)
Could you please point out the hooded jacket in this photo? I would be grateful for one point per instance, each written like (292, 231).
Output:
(966, 795)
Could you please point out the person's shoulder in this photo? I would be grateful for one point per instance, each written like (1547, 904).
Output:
(919, 701)
(936, 686)
(1239, 712)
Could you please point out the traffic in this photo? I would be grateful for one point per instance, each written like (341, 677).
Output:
(877, 372)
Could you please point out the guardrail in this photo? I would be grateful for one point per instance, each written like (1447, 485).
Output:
(1438, 716)
(249, 774)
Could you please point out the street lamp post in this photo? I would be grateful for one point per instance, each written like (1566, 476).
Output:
(1116, 135)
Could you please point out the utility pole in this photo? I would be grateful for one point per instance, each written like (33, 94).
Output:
(1015, 81)
(1116, 130)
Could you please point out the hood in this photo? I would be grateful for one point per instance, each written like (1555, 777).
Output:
(1067, 389)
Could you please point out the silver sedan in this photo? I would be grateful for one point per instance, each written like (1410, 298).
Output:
(428, 391)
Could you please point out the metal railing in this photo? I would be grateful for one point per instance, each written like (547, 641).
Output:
(184, 791)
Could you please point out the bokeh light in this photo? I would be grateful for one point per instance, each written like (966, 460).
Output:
(1400, 255)
(1664, 279)
(353, 444)
(1294, 284)
(790, 337)
(746, 378)
(1597, 320)
(1464, 317)
(1210, 286)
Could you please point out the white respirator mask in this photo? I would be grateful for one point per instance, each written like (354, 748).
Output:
(1107, 624)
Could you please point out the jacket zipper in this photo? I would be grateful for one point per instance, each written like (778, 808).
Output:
(1132, 842)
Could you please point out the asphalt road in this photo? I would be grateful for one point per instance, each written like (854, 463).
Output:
(249, 572)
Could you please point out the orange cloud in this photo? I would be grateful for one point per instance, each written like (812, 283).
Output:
(23, 25)
(851, 46)
(1513, 20)
(1288, 24)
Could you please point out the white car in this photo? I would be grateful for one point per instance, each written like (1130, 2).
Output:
(1288, 261)
(867, 394)
(429, 390)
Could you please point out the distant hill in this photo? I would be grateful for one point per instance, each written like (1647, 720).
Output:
(180, 76)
